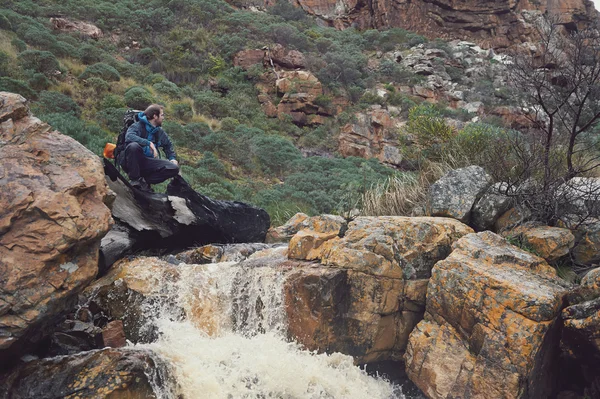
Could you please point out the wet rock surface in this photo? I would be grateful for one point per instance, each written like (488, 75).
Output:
(107, 373)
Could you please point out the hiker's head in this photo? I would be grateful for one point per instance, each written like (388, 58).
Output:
(155, 114)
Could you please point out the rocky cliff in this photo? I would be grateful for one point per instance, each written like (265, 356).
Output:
(491, 23)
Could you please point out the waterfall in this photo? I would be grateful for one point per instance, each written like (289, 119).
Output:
(232, 341)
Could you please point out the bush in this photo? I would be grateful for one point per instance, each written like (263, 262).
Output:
(182, 111)
(19, 44)
(39, 61)
(101, 70)
(17, 86)
(98, 84)
(54, 102)
(274, 154)
(5, 23)
(167, 88)
(90, 54)
(39, 82)
(427, 126)
(138, 97)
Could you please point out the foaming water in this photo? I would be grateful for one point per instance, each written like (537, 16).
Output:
(232, 341)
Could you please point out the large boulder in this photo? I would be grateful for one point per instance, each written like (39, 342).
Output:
(456, 192)
(53, 215)
(490, 207)
(390, 246)
(368, 292)
(107, 373)
(490, 326)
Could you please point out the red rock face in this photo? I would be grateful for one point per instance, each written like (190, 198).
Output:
(494, 23)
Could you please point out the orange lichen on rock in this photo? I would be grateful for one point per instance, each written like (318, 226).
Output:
(491, 311)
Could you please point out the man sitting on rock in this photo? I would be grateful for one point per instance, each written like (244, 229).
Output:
(141, 160)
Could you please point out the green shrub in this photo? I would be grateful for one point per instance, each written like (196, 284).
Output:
(229, 124)
(274, 154)
(98, 84)
(138, 97)
(39, 61)
(182, 111)
(427, 126)
(39, 82)
(17, 86)
(90, 54)
(51, 102)
(5, 23)
(111, 118)
(19, 44)
(101, 70)
(167, 88)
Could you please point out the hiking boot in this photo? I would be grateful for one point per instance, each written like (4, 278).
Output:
(142, 185)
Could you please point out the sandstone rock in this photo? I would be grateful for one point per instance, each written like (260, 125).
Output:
(213, 253)
(299, 82)
(107, 373)
(337, 310)
(113, 335)
(455, 193)
(369, 291)
(127, 290)
(373, 135)
(301, 221)
(490, 207)
(84, 28)
(490, 323)
(247, 58)
(52, 218)
(287, 58)
(492, 23)
(391, 246)
(548, 242)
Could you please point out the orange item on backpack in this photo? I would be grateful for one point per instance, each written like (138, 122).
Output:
(109, 150)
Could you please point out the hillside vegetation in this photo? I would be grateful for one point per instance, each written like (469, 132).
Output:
(180, 53)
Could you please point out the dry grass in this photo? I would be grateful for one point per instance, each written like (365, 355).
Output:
(5, 46)
(75, 67)
(405, 194)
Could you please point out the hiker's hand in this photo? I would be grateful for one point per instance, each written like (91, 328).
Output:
(153, 148)
(174, 161)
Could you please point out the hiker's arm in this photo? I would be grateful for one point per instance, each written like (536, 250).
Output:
(133, 136)
(167, 146)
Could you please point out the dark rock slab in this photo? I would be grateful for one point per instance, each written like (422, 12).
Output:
(114, 373)
(181, 218)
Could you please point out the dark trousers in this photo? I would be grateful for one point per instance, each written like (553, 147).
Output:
(153, 170)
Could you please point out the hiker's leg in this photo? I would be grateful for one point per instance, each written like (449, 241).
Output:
(158, 170)
(134, 160)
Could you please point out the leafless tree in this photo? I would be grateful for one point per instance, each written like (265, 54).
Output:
(560, 84)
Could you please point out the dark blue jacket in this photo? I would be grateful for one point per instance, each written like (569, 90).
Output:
(137, 134)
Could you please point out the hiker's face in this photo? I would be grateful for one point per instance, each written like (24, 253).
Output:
(158, 119)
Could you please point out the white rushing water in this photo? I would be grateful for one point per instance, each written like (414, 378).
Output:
(232, 342)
